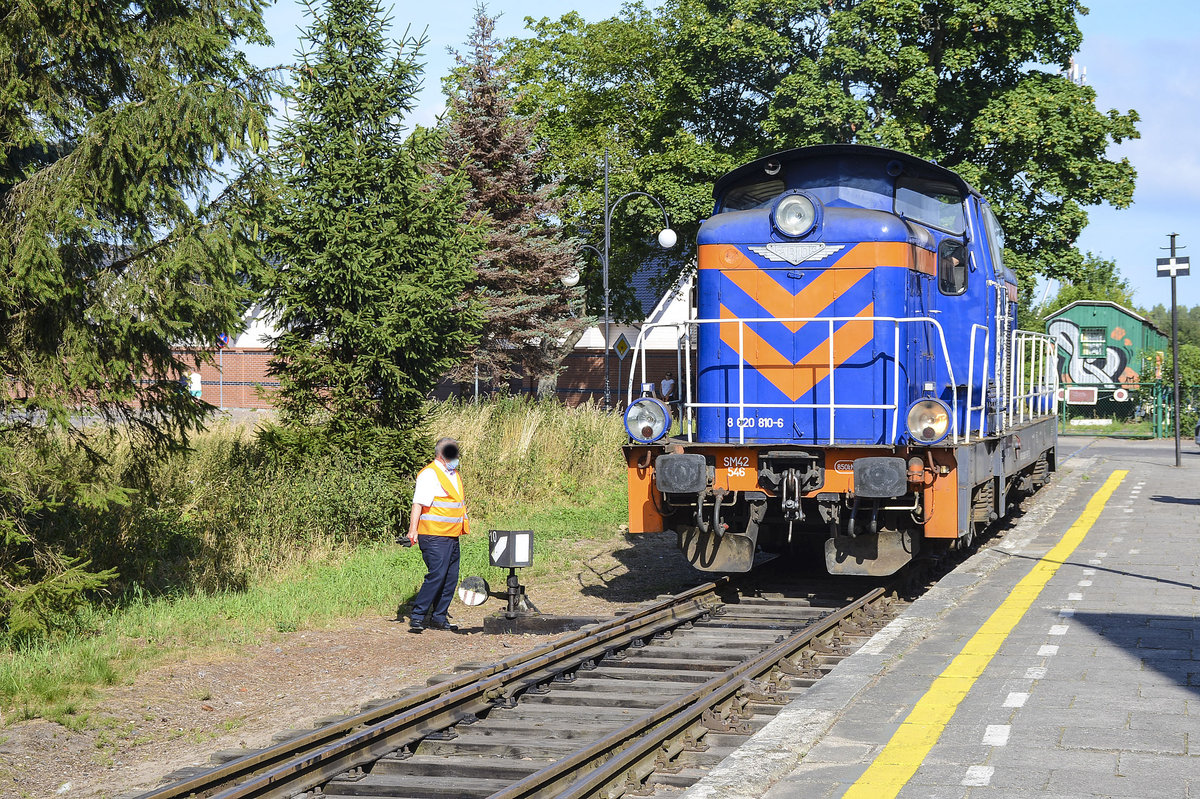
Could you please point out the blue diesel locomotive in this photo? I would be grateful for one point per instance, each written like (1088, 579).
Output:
(851, 377)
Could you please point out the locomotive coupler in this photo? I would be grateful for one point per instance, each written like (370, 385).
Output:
(790, 496)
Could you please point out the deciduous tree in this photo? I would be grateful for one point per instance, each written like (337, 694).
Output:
(685, 91)
(1097, 279)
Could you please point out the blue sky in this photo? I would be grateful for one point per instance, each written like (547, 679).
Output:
(1137, 55)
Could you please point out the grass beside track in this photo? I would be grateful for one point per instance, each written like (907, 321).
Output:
(541, 467)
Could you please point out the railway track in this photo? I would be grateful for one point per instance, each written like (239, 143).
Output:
(646, 702)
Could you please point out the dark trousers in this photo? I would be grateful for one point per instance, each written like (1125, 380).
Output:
(441, 559)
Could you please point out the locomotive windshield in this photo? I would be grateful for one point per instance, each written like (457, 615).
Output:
(932, 203)
(752, 194)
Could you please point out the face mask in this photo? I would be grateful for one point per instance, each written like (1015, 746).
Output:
(452, 464)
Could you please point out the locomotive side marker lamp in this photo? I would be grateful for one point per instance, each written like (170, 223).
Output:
(647, 420)
(928, 421)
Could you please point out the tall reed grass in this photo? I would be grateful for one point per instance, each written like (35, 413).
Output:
(518, 451)
(225, 544)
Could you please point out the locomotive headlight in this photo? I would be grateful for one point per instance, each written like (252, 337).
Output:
(647, 420)
(928, 421)
(795, 215)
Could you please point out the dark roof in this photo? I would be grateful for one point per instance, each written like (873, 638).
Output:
(829, 150)
(1111, 304)
(650, 282)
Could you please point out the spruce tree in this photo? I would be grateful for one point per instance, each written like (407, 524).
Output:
(119, 122)
(528, 321)
(374, 259)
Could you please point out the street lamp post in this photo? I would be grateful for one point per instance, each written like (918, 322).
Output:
(666, 240)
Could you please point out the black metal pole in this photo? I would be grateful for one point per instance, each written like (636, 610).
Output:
(1175, 355)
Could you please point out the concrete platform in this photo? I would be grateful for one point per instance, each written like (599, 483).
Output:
(1062, 660)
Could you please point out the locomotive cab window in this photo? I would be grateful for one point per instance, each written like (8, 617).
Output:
(751, 194)
(952, 267)
(932, 203)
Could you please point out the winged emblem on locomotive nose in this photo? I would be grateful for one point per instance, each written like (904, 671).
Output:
(796, 253)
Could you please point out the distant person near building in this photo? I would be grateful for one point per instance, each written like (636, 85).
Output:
(439, 517)
(195, 385)
(666, 389)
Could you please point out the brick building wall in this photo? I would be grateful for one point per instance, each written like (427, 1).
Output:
(237, 377)
(582, 378)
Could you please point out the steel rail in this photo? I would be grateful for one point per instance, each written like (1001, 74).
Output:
(300, 763)
(561, 779)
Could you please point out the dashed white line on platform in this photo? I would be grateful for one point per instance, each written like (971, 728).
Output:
(1135, 552)
(1074, 596)
(1084, 583)
(979, 776)
(1066, 613)
(1059, 629)
(1047, 650)
(1089, 572)
(1035, 673)
(1016, 699)
(1094, 562)
(996, 735)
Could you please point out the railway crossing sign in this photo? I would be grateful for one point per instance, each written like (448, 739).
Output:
(621, 346)
(1173, 267)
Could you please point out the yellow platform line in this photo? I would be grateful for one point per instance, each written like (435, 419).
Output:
(907, 749)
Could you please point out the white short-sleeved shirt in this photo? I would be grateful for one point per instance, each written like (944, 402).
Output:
(429, 488)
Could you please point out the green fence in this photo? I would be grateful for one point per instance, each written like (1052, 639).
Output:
(1122, 409)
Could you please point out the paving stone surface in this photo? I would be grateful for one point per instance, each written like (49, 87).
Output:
(1094, 693)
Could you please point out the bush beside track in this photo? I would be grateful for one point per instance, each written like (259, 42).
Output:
(226, 546)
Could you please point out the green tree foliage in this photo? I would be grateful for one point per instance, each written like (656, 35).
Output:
(374, 258)
(117, 121)
(683, 92)
(1163, 389)
(1097, 279)
(1187, 318)
(528, 322)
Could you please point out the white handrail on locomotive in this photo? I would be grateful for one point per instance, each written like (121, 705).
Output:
(832, 406)
(1044, 391)
(982, 407)
(1034, 354)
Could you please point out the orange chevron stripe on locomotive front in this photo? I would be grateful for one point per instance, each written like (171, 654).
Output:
(865, 255)
(820, 290)
(797, 379)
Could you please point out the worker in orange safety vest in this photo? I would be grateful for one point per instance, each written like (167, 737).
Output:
(439, 517)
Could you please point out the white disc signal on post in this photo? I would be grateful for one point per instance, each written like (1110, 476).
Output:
(1121, 395)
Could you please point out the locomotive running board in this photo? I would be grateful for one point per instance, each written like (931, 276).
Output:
(878, 555)
(731, 552)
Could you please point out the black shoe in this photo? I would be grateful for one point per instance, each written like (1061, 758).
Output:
(450, 626)
(415, 626)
